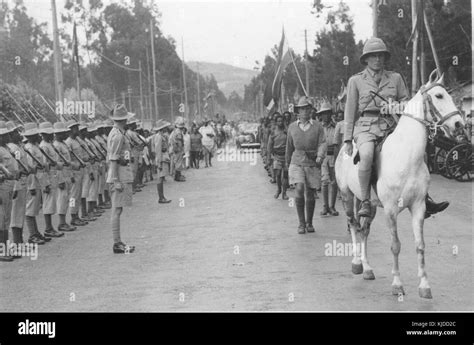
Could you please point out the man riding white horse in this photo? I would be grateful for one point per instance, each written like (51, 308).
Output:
(363, 121)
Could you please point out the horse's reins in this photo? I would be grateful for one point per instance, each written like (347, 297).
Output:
(431, 126)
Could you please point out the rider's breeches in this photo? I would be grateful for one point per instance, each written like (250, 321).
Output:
(366, 152)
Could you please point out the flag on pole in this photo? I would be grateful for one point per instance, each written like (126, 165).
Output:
(283, 60)
(75, 49)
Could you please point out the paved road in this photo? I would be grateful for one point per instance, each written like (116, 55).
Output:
(224, 244)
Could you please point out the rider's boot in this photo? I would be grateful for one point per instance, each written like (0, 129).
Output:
(364, 180)
(433, 207)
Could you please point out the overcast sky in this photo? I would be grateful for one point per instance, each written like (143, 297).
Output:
(235, 32)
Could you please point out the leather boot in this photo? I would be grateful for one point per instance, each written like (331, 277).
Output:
(299, 202)
(433, 207)
(332, 200)
(161, 196)
(3, 240)
(310, 204)
(324, 191)
(364, 180)
(283, 186)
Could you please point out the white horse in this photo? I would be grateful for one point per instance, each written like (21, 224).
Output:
(403, 178)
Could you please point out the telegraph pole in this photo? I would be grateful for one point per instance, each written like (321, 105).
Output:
(153, 67)
(414, 60)
(422, 44)
(58, 69)
(171, 101)
(150, 91)
(186, 110)
(199, 93)
(374, 18)
(141, 90)
(306, 62)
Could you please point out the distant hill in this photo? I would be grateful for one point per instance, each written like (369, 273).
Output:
(229, 78)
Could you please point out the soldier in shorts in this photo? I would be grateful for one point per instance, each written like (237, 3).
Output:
(277, 149)
(305, 149)
(120, 174)
(328, 178)
(162, 159)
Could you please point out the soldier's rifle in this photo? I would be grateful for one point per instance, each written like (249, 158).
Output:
(89, 151)
(81, 162)
(53, 162)
(40, 165)
(98, 149)
(20, 163)
(61, 156)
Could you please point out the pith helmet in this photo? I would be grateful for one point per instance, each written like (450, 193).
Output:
(11, 126)
(3, 128)
(304, 102)
(45, 128)
(60, 127)
(30, 129)
(119, 113)
(373, 45)
(325, 107)
(179, 122)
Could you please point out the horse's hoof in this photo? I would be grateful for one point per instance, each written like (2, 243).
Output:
(425, 293)
(369, 275)
(397, 290)
(357, 268)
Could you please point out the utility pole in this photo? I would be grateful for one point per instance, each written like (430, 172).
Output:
(171, 102)
(58, 69)
(306, 62)
(141, 90)
(430, 38)
(186, 110)
(199, 93)
(414, 59)
(374, 17)
(422, 44)
(154, 68)
(150, 91)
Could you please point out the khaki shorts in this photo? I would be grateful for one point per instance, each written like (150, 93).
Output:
(310, 176)
(123, 198)
(281, 165)
(368, 129)
(49, 201)
(327, 169)
(165, 169)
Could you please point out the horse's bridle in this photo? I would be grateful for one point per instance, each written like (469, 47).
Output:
(428, 107)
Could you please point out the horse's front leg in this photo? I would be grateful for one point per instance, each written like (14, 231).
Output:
(391, 218)
(364, 234)
(353, 224)
(418, 218)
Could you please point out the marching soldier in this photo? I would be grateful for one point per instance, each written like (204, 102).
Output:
(37, 184)
(9, 173)
(276, 149)
(162, 159)
(120, 175)
(20, 188)
(55, 177)
(93, 196)
(177, 149)
(137, 149)
(67, 174)
(89, 175)
(101, 146)
(79, 158)
(305, 150)
(108, 124)
(363, 121)
(328, 178)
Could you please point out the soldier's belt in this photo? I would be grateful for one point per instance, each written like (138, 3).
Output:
(371, 113)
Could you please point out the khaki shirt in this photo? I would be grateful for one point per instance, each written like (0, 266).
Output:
(118, 149)
(359, 96)
(41, 180)
(21, 155)
(75, 147)
(10, 164)
(161, 149)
